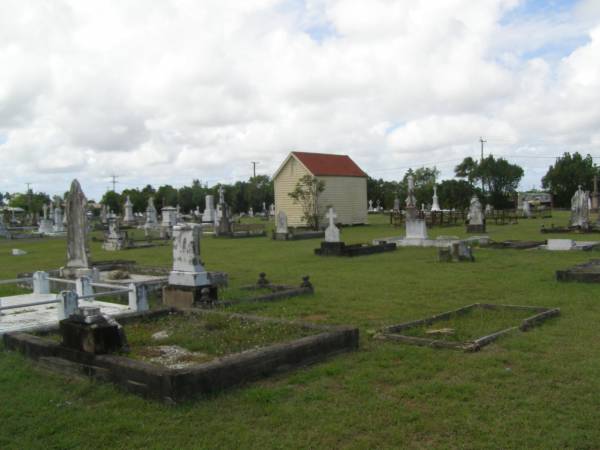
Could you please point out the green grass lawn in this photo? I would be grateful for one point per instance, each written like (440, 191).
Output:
(539, 389)
(470, 325)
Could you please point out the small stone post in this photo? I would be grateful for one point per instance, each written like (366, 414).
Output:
(83, 287)
(41, 283)
(138, 298)
(68, 304)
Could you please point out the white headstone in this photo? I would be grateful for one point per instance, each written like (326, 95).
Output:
(272, 210)
(282, 225)
(435, 205)
(332, 233)
(251, 212)
(58, 220)
(169, 216)
(187, 267)
(475, 215)
(580, 213)
(370, 205)
(209, 211)
(128, 216)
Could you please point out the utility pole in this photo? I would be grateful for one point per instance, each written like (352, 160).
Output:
(114, 181)
(254, 163)
(29, 197)
(483, 141)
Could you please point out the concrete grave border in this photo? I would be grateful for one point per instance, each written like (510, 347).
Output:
(393, 332)
(580, 273)
(179, 385)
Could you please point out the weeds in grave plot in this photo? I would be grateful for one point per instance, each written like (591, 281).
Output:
(470, 325)
(212, 334)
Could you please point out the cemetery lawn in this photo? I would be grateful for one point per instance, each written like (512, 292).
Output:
(539, 389)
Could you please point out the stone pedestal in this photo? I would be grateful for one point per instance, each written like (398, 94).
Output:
(416, 229)
(189, 296)
(91, 332)
(476, 228)
(46, 226)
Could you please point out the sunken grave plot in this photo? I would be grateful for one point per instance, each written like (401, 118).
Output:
(341, 249)
(263, 291)
(175, 355)
(468, 328)
(588, 272)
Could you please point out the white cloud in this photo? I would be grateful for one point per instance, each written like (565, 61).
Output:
(173, 90)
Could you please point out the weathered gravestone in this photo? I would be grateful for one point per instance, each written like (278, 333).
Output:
(77, 250)
(45, 223)
(189, 279)
(476, 218)
(209, 211)
(580, 213)
(114, 239)
(128, 217)
(435, 205)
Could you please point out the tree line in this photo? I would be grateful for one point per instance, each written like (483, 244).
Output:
(494, 180)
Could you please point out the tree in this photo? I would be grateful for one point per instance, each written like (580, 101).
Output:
(166, 196)
(30, 202)
(567, 173)
(499, 179)
(112, 200)
(306, 193)
(424, 178)
(455, 194)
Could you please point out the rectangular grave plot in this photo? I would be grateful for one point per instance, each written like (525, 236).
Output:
(176, 385)
(468, 328)
(588, 272)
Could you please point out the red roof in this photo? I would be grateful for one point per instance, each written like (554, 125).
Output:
(323, 164)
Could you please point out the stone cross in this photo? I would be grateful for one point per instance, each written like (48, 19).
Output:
(332, 234)
(331, 215)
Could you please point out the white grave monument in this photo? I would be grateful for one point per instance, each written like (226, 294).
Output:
(282, 223)
(128, 217)
(416, 229)
(435, 205)
(475, 216)
(580, 213)
(209, 211)
(45, 223)
(58, 220)
(187, 267)
(114, 240)
(332, 233)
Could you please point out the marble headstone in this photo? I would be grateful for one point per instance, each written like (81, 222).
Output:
(332, 233)
(282, 223)
(435, 205)
(475, 215)
(58, 220)
(187, 266)
(580, 213)
(209, 211)
(128, 216)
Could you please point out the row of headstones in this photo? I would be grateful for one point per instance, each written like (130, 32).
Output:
(434, 206)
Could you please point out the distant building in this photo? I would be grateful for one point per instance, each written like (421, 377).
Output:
(345, 186)
(535, 199)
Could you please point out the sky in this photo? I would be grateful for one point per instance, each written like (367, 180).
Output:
(164, 92)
